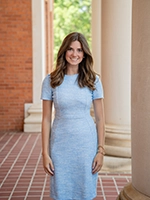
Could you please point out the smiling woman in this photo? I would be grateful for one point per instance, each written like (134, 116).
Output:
(75, 152)
(74, 56)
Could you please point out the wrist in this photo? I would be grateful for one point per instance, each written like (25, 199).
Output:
(45, 154)
(101, 150)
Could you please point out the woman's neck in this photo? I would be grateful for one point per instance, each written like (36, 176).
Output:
(72, 70)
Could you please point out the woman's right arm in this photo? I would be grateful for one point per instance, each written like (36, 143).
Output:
(46, 132)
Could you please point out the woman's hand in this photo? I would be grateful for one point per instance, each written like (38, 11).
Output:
(97, 163)
(48, 165)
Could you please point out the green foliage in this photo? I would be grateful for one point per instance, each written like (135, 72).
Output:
(70, 16)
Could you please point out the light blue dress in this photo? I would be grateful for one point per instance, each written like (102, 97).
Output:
(73, 142)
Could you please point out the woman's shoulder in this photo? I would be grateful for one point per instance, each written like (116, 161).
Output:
(47, 80)
(97, 78)
(47, 77)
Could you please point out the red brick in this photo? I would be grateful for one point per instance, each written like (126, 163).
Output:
(15, 62)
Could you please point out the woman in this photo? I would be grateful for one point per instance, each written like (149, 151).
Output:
(73, 147)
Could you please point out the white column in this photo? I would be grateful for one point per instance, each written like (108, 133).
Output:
(96, 34)
(139, 189)
(32, 122)
(39, 54)
(116, 73)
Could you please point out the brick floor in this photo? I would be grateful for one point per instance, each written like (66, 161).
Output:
(22, 176)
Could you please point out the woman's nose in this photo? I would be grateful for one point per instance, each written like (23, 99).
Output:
(74, 53)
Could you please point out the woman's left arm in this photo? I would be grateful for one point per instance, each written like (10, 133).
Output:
(100, 126)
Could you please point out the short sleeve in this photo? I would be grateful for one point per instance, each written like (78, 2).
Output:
(46, 93)
(98, 92)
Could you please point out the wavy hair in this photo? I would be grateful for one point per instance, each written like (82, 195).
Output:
(87, 75)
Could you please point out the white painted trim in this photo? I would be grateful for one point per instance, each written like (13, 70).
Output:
(96, 34)
(38, 45)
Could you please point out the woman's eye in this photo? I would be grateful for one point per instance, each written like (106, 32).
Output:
(71, 49)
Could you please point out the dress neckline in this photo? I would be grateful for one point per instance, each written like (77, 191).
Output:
(69, 75)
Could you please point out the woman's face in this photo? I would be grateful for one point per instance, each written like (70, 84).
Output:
(74, 54)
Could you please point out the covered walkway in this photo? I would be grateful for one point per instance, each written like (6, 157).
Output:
(22, 176)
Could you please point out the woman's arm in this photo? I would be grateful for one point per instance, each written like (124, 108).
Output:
(46, 131)
(100, 126)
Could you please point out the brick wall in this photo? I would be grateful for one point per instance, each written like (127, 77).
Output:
(15, 62)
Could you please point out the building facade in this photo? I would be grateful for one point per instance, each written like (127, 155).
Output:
(120, 45)
(25, 57)
(15, 62)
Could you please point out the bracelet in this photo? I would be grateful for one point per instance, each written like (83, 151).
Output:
(101, 152)
(98, 149)
(100, 146)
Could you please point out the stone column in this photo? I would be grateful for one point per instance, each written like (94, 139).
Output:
(139, 189)
(116, 67)
(33, 111)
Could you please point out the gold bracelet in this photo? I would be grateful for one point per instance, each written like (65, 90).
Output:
(103, 153)
(100, 146)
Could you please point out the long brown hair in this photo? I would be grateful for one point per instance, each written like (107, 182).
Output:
(86, 76)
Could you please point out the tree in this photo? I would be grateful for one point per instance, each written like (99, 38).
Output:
(70, 16)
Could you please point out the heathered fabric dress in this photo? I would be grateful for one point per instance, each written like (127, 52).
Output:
(73, 142)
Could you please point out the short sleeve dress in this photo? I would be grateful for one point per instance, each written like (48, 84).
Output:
(73, 142)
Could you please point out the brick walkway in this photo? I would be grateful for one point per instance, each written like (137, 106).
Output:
(22, 176)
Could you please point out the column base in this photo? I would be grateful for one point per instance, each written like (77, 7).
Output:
(116, 165)
(118, 141)
(33, 118)
(130, 193)
(118, 148)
